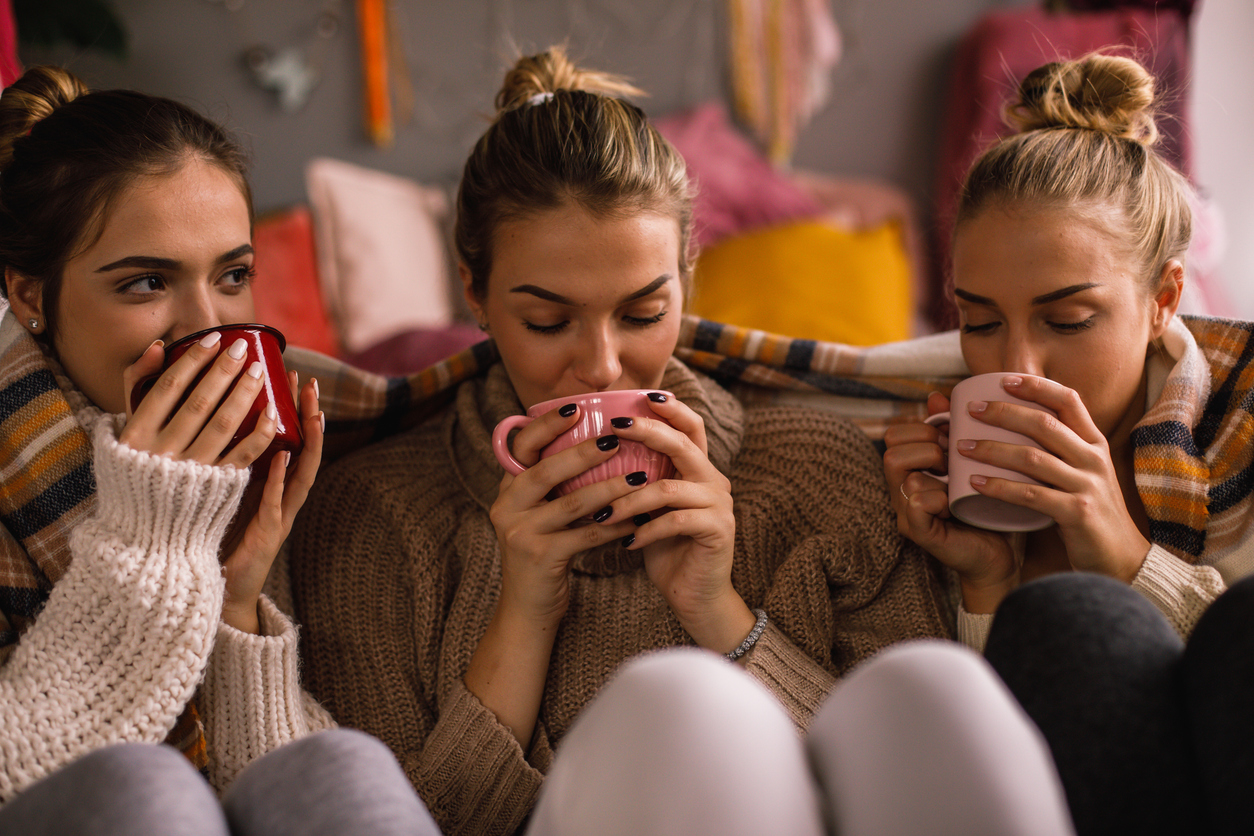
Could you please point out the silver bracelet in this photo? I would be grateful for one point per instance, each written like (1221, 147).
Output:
(752, 638)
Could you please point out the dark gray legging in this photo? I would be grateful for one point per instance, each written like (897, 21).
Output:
(336, 782)
(1149, 736)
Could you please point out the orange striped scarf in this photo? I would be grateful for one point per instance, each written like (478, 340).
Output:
(1194, 455)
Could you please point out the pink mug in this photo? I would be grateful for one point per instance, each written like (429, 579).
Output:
(264, 344)
(596, 409)
(965, 502)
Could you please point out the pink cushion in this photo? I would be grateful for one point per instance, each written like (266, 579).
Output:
(10, 64)
(413, 351)
(286, 292)
(382, 257)
(737, 187)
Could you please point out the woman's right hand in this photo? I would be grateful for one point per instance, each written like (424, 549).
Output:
(535, 535)
(984, 560)
(202, 427)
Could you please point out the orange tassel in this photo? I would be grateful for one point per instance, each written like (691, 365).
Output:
(372, 22)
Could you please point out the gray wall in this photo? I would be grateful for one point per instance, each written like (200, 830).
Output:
(881, 121)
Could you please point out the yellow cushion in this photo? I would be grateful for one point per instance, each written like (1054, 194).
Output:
(809, 279)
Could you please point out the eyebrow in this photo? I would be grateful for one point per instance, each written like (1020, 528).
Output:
(550, 296)
(149, 262)
(1043, 299)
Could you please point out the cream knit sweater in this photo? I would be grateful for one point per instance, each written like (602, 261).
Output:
(133, 629)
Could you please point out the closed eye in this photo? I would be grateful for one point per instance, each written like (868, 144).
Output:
(546, 329)
(644, 321)
(985, 328)
(1072, 327)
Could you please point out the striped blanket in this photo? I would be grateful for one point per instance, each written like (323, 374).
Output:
(1193, 455)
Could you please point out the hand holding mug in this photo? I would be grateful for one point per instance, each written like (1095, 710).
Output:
(596, 413)
(1074, 481)
(966, 503)
(566, 469)
(204, 408)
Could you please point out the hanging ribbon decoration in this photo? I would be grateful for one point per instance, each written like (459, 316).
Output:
(782, 54)
(383, 66)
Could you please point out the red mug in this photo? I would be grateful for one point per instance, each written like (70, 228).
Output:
(264, 344)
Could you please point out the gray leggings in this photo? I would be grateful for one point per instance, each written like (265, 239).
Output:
(335, 782)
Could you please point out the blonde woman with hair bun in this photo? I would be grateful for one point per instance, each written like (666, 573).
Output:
(1069, 261)
(638, 656)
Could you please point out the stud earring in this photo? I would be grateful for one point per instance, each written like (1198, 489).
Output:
(483, 326)
(34, 324)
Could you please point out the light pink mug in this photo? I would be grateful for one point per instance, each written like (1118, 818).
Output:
(965, 502)
(596, 409)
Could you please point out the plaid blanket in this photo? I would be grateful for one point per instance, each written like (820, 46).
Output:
(872, 386)
(1193, 455)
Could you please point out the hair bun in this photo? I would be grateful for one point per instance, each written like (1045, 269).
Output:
(1107, 93)
(532, 76)
(31, 98)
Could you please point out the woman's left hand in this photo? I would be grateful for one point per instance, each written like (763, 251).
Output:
(269, 508)
(1083, 494)
(688, 549)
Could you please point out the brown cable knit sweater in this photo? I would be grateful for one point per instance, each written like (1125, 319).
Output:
(396, 574)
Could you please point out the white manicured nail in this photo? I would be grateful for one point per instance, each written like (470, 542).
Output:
(271, 412)
(315, 383)
(255, 369)
(211, 339)
(238, 349)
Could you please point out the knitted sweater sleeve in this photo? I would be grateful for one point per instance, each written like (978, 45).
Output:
(373, 580)
(126, 633)
(840, 582)
(251, 695)
(1181, 591)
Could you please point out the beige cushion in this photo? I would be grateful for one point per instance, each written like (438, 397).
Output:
(382, 259)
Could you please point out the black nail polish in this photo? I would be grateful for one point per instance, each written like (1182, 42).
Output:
(621, 423)
(607, 442)
(657, 397)
(641, 519)
(628, 540)
(567, 410)
(637, 478)
(603, 515)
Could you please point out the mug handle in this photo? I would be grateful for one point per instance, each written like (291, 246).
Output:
(500, 442)
(934, 420)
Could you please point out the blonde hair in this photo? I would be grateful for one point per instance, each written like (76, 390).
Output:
(1085, 142)
(562, 134)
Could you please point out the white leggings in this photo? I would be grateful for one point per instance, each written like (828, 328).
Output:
(922, 738)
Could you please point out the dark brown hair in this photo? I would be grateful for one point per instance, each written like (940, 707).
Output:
(67, 153)
(564, 134)
(1085, 142)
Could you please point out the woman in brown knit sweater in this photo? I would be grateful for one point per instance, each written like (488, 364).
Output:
(463, 618)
